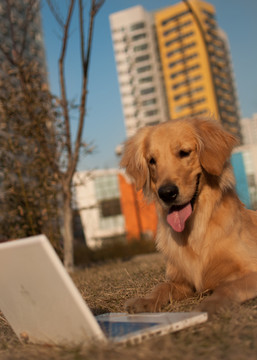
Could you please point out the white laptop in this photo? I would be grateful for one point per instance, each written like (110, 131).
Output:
(41, 303)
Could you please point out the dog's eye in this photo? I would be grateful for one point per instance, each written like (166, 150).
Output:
(152, 161)
(184, 153)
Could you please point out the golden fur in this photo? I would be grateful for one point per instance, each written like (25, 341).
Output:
(217, 250)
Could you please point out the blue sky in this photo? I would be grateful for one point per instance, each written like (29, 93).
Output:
(104, 125)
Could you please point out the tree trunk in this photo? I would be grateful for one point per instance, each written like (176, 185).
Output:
(67, 231)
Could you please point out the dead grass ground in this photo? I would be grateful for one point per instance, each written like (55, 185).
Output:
(230, 335)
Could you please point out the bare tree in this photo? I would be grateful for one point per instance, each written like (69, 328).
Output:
(61, 154)
(73, 150)
(28, 193)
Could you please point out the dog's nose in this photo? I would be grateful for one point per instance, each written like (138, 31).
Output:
(168, 193)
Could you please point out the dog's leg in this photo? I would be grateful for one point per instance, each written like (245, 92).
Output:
(236, 291)
(159, 297)
(152, 302)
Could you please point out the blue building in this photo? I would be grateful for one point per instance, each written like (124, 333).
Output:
(244, 162)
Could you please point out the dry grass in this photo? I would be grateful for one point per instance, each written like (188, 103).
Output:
(230, 335)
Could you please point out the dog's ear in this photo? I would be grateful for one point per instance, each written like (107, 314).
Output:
(133, 159)
(215, 145)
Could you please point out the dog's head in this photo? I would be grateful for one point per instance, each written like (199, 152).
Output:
(168, 160)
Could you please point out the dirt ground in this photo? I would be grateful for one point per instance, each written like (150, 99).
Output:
(230, 335)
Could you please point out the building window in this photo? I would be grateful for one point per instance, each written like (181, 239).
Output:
(212, 26)
(173, 52)
(176, 28)
(179, 96)
(201, 112)
(110, 207)
(183, 60)
(142, 58)
(149, 102)
(106, 187)
(145, 80)
(137, 26)
(138, 37)
(184, 71)
(178, 38)
(166, 21)
(181, 49)
(147, 91)
(152, 123)
(143, 69)
(192, 103)
(151, 112)
(213, 35)
(196, 90)
(209, 14)
(141, 47)
(187, 81)
(188, 93)
(108, 197)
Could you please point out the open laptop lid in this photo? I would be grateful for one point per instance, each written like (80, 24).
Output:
(39, 299)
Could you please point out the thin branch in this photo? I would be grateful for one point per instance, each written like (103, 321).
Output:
(62, 81)
(98, 5)
(89, 41)
(55, 13)
(81, 24)
(94, 8)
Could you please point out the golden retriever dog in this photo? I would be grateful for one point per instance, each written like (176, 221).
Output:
(207, 236)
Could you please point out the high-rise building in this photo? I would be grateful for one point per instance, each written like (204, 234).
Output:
(196, 69)
(196, 63)
(139, 69)
(249, 130)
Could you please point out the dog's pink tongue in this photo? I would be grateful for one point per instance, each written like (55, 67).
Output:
(177, 219)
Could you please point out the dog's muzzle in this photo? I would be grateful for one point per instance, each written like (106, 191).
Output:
(178, 214)
(168, 193)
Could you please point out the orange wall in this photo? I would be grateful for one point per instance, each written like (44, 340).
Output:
(137, 213)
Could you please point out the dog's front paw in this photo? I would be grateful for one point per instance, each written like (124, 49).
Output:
(139, 305)
(212, 306)
(208, 306)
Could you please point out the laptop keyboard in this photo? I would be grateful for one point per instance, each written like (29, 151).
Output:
(114, 329)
